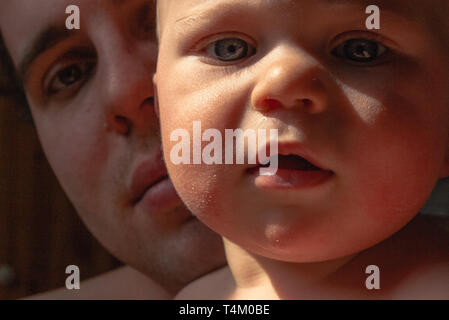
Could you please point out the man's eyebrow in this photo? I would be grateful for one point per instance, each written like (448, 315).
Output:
(46, 39)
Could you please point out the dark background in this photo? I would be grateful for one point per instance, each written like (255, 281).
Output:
(40, 233)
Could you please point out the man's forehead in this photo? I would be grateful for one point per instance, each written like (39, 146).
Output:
(21, 20)
(25, 12)
(27, 25)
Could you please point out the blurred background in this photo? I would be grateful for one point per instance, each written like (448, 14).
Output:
(40, 232)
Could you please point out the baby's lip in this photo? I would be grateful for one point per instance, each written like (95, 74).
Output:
(288, 153)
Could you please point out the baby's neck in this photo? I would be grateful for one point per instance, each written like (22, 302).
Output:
(272, 279)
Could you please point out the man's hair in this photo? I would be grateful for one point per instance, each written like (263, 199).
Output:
(10, 85)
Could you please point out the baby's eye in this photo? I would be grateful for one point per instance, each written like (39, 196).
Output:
(70, 76)
(229, 49)
(360, 50)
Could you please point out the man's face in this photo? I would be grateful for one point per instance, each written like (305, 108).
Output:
(371, 107)
(90, 93)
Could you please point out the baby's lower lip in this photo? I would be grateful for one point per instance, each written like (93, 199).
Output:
(292, 179)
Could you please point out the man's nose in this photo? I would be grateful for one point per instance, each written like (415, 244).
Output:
(291, 79)
(126, 75)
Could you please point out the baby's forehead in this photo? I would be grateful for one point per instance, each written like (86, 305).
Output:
(411, 8)
(431, 15)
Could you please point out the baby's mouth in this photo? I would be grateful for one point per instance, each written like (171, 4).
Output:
(294, 162)
(293, 172)
(290, 162)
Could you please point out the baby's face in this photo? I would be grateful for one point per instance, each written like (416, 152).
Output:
(370, 108)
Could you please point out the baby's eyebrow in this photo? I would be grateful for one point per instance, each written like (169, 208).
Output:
(207, 12)
(205, 9)
(400, 8)
(401, 13)
(209, 8)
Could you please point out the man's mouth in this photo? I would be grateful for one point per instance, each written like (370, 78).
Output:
(140, 194)
(147, 175)
(150, 186)
(154, 195)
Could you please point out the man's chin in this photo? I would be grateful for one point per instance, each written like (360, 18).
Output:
(176, 256)
(199, 250)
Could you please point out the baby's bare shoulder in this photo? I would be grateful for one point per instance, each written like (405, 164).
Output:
(420, 253)
(414, 262)
(431, 282)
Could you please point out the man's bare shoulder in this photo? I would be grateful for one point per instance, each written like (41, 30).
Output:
(217, 285)
(120, 284)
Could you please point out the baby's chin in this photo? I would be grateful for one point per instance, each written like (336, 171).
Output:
(295, 243)
(297, 252)
(297, 232)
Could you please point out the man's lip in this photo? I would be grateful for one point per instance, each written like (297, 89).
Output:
(159, 199)
(142, 194)
(146, 175)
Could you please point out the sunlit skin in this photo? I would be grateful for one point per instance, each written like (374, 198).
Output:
(90, 96)
(380, 125)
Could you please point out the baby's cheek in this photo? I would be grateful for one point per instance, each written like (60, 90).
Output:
(393, 187)
(201, 189)
(201, 186)
(393, 165)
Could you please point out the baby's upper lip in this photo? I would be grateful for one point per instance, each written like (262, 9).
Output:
(286, 148)
(146, 174)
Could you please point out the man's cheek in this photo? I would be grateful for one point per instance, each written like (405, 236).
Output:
(78, 160)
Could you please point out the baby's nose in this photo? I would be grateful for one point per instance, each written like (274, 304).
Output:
(291, 79)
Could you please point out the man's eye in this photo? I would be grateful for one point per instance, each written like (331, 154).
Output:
(229, 49)
(360, 50)
(69, 76)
